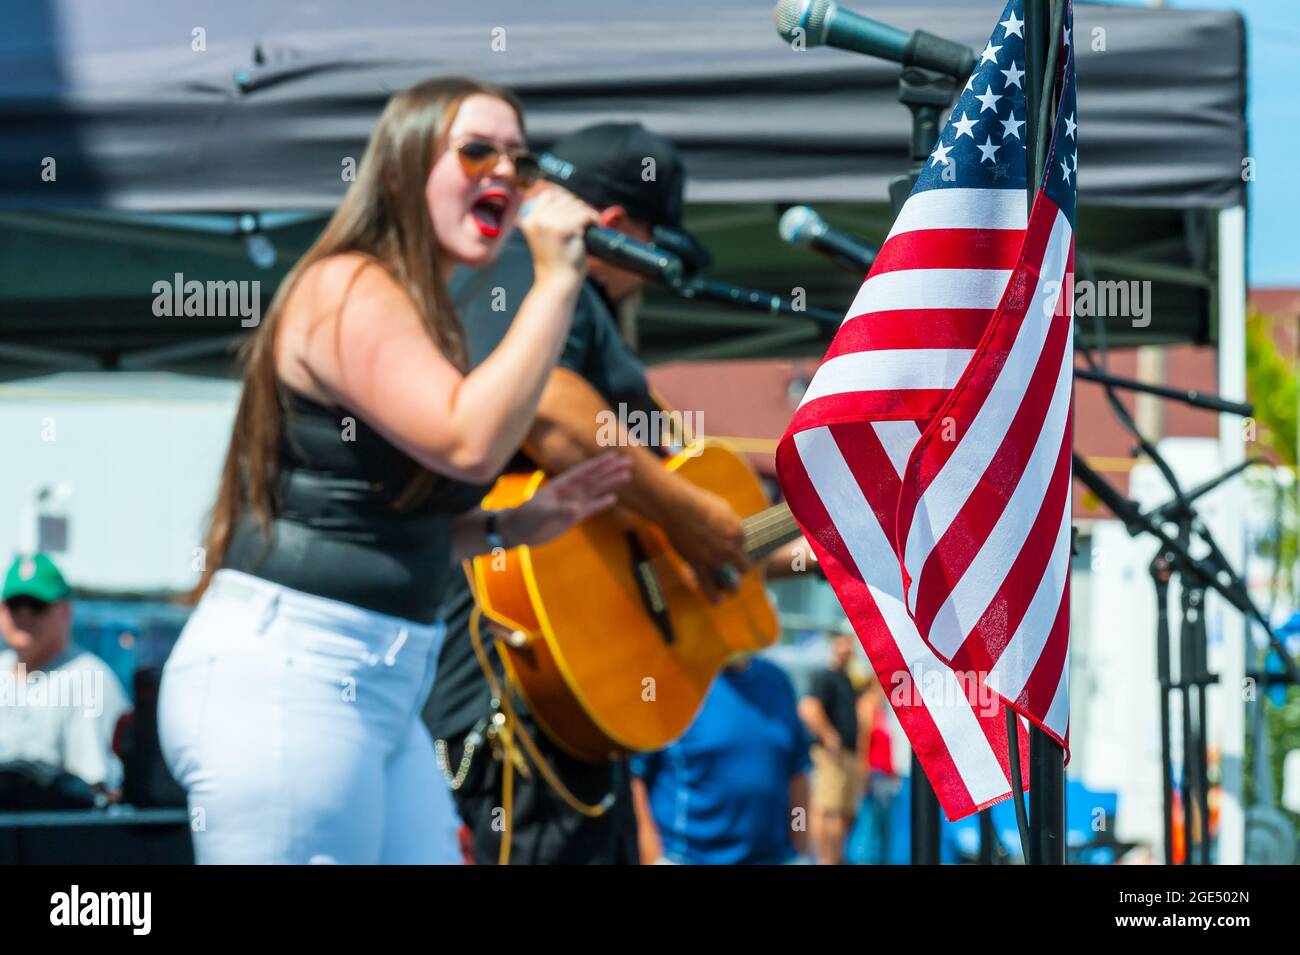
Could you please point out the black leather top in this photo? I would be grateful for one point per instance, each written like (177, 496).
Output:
(335, 531)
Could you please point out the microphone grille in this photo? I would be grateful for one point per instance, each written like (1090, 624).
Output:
(789, 15)
(798, 225)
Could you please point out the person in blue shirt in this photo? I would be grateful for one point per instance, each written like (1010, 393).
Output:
(734, 788)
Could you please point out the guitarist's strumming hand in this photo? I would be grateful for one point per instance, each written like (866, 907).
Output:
(709, 536)
(566, 500)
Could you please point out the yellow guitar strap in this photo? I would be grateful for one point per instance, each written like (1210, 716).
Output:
(515, 743)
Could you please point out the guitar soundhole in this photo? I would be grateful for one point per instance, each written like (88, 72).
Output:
(649, 586)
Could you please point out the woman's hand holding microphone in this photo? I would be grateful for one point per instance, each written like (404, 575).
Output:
(554, 223)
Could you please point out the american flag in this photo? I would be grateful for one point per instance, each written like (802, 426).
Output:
(929, 461)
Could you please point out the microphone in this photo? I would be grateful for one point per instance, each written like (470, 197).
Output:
(824, 23)
(695, 257)
(801, 225)
(628, 253)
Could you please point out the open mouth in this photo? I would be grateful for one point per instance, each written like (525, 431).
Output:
(489, 212)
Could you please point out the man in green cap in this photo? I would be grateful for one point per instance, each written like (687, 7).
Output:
(59, 704)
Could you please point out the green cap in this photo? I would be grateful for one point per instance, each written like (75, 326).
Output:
(35, 576)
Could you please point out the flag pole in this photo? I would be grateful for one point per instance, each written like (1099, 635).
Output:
(925, 94)
(1046, 758)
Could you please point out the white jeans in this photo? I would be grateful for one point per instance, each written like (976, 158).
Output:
(293, 723)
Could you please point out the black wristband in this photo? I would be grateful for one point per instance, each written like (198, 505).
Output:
(492, 531)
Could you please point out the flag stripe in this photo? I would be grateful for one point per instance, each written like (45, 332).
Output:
(1058, 714)
(942, 687)
(867, 547)
(1025, 301)
(974, 587)
(1011, 674)
(871, 467)
(962, 209)
(951, 249)
(989, 498)
(930, 288)
(897, 438)
(1050, 671)
(959, 465)
(896, 370)
(882, 649)
(912, 404)
(1040, 556)
(953, 328)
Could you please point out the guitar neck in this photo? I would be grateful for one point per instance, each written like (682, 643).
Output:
(769, 529)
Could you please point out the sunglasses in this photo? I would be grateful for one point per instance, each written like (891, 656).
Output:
(478, 158)
(23, 602)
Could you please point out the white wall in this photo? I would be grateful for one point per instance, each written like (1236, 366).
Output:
(1115, 736)
(140, 454)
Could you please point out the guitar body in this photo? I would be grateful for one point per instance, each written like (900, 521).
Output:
(604, 636)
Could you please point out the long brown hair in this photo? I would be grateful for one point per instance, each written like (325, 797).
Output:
(383, 215)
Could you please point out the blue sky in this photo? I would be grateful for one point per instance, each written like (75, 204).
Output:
(1273, 47)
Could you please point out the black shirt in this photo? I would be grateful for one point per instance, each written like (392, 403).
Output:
(487, 300)
(336, 530)
(834, 690)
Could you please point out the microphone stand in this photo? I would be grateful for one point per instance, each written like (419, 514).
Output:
(1192, 397)
(1161, 570)
(698, 288)
(925, 94)
(1211, 572)
(1192, 680)
(1194, 675)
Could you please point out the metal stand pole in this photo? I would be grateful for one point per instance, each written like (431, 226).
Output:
(1047, 797)
(1203, 679)
(1046, 758)
(988, 838)
(1161, 571)
(1191, 771)
(1195, 681)
(925, 818)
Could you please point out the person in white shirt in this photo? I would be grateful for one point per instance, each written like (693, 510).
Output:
(59, 704)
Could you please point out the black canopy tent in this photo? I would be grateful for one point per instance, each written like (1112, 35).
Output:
(180, 132)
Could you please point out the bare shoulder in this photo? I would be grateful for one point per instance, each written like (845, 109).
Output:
(340, 280)
(307, 339)
(345, 319)
(333, 291)
(342, 268)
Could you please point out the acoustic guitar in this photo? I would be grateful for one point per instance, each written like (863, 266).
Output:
(601, 630)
